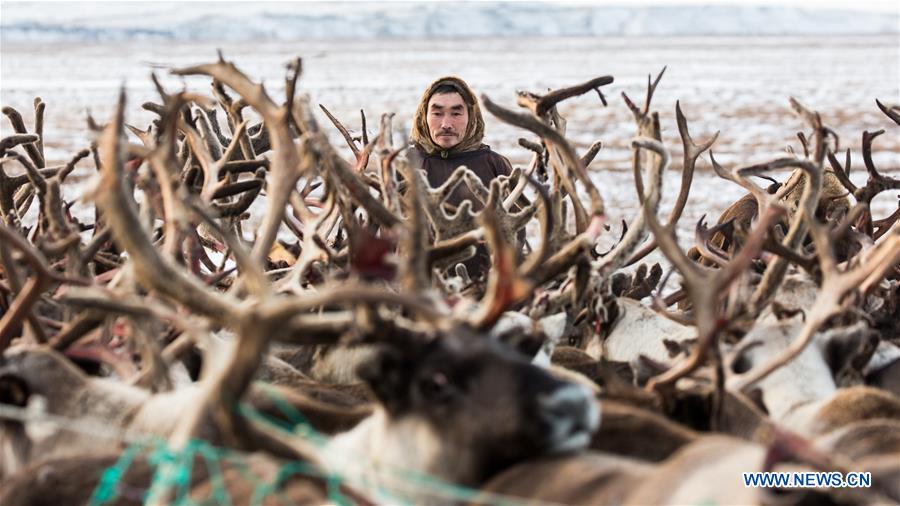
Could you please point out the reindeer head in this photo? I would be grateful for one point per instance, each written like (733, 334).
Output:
(483, 405)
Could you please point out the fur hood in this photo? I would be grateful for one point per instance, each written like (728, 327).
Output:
(474, 128)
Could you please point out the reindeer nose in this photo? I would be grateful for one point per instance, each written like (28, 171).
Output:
(571, 416)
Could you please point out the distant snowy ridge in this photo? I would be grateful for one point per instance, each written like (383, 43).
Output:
(25, 22)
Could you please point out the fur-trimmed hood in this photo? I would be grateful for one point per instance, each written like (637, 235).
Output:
(474, 128)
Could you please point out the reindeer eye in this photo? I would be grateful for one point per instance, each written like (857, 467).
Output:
(573, 341)
(435, 386)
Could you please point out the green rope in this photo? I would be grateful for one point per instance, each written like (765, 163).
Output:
(210, 455)
(300, 426)
(422, 481)
(108, 487)
(173, 468)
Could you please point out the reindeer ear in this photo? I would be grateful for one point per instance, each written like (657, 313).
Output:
(388, 374)
(14, 390)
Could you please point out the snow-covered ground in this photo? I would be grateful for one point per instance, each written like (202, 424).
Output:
(738, 85)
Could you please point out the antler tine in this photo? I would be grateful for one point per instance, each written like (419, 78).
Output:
(544, 104)
(231, 150)
(208, 133)
(832, 294)
(885, 224)
(11, 141)
(364, 132)
(704, 297)
(51, 210)
(58, 227)
(205, 158)
(415, 274)
(511, 222)
(335, 166)
(520, 177)
(808, 202)
(34, 176)
(842, 173)
(70, 165)
(651, 88)
(571, 162)
(538, 256)
(649, 205)
(591, 153)
(702, 235)
(233, 111)
(313, 248)
(39, 107)
(294, 71)
(15, 119)
(439, 194)
(145, 136)
(664, 235)
(763, 198)
(254, 278)
(815, 121)
(867, 138)
(21, 307)
(505, 286)
(476, 186)
(343, 130)
(447, 226)
(892, 111)
(386, 134)
(876, 182)
(534, 147)
(635, 110)
(455, 249)
(691, 153)
(804, 142)
(388, 185)
(8, 188)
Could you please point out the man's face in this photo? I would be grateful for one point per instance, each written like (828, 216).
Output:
(447, 119)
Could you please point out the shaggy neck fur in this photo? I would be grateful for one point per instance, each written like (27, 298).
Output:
(387, 459)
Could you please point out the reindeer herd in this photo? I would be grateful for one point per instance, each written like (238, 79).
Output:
(243, 285)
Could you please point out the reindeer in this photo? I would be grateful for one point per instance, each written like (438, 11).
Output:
(368, 293)
(560, 418)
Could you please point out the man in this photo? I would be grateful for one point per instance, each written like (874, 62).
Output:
(447, 132)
